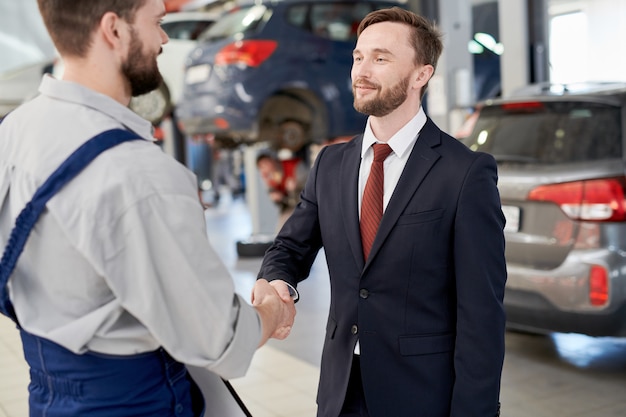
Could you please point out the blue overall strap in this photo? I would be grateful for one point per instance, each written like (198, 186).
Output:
(27, 218)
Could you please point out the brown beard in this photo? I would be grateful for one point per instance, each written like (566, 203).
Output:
(385, 101)
(141, 69)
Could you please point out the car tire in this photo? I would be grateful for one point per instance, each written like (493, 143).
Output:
(293, 135)
(153, 106)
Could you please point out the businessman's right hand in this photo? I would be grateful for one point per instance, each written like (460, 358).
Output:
(277, 313)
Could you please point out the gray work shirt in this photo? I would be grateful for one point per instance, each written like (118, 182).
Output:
(119, 263)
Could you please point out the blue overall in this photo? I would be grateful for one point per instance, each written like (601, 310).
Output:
(65, 384)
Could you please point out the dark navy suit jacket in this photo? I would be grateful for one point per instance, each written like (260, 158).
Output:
(427, 305)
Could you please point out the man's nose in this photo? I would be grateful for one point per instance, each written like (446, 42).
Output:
(358, 72)
(164, 38)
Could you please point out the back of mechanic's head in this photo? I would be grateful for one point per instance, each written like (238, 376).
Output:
(72, 22)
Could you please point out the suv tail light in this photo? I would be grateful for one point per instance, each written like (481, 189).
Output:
(526, 105)
(592, 200)
(598, 286)
(251, 53)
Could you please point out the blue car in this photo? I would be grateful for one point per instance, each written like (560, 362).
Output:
(276, 71)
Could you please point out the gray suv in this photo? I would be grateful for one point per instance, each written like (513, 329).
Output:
(561, 166)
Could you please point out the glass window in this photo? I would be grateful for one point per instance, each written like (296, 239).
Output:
(547, 133)
(569, 49)
(185, 30)
(240, 20)
(335, 21)
(296, 15)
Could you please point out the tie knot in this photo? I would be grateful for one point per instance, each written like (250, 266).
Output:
(381, 151)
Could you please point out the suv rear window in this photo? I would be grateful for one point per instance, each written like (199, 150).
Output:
(548, 132)
(337, 21)
(240, 20)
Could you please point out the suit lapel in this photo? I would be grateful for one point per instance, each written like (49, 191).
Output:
(349, 175)
(421, 160)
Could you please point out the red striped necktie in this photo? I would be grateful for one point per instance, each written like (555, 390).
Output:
(372, 202)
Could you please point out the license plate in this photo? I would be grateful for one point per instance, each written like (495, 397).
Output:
(512, 216)
(198, 74)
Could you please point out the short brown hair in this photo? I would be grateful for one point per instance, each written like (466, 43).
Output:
(425, 37)
(71, 23)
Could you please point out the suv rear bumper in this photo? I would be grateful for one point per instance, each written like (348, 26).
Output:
(558, 299)
(532, 312)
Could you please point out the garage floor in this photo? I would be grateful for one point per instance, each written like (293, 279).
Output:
(558, 375)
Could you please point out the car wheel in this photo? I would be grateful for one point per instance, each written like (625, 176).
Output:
(293, 135)
(153, 106)
(285, 117)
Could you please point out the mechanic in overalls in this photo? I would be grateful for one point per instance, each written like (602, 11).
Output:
(108, 271)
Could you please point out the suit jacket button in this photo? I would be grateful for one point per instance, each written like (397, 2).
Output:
(354, 329)
(363, 293)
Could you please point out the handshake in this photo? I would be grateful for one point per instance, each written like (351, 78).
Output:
(275, 307)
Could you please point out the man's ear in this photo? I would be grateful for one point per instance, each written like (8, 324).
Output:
(423, 75)
(112, 29)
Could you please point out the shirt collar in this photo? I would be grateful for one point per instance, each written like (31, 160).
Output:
(402, 141)
(79, 94)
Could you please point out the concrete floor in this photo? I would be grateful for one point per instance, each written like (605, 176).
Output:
(557, 375)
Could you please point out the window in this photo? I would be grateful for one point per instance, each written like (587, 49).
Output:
(240, 20)
(558, 132)
(185, 30)
(334, 21)
(569, 58)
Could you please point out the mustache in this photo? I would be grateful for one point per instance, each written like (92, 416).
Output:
(361, 82)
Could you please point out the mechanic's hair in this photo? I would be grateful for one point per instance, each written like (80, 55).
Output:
(71, 23)
(425, 37)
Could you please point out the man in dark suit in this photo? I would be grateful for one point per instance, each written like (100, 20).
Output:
(416, 324)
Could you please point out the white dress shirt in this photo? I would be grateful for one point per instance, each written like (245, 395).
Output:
(401, 145)
(120, 262)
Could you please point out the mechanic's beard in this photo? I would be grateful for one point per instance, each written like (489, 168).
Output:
(141, 70)
(385, 101)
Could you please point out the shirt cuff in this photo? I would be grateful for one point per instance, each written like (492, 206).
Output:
(295, 296)
(235, 360)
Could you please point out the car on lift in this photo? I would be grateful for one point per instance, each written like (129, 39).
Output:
(276, 72)
(561, 160)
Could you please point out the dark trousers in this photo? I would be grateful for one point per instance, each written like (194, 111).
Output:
(64, 384)
(354, 405)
